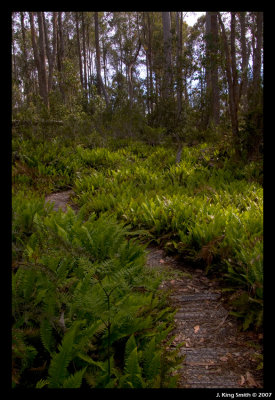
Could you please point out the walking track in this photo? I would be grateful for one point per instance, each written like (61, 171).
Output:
(217, 353)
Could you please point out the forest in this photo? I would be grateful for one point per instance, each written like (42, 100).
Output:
(137, 178)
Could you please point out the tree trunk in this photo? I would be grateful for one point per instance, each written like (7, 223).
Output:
(244, 66)
(233, 63)
(151, 91)
(60, 50)
(84, 52)
(60, 53)
(258, 50)
(214, 75)
(212, 87)
(51, 55)
(98, 67)
(208, 57)
(89, 58)
(26, 67)
(232, 100)
(130, 74)
(39, 57)
(79, 48)
(167, 45)
(44, 78)
(178, 62)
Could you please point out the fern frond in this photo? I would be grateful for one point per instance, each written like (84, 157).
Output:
(132, 368)
(74, 380)
(60, 361)
(130, 346)
(46, 335)
(41, 383)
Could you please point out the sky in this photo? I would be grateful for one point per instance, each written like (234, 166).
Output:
(192, 16)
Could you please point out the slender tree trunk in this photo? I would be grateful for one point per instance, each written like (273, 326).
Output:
(44, 78)
(35, 49)
(60, 53)
(60, 50)
(15, 75)
(104, 62)
(178, 62)
(258, 50)
(79, 48)
(84, 52)
(98, 67)
(150, 55)
(89, 57)
(233, 62)
(51, 55)
(244, 66)
(130, 74)
(256, 96)
(53, 58)
(232, 100)
(214, 75)
(208, 63)
(212, 88)
(26, 67)
(39, 56)
(167, 44)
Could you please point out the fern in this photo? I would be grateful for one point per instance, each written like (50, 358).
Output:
(41, 383)
(74, 380)
(132, 370)
(60, 361)
(46, 335)
(151, 360)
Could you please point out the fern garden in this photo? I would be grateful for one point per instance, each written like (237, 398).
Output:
(86, 310)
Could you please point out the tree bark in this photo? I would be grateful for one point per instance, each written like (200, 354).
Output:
(39, 56)
(26, 67)
(41, 41)
(51, 55)
(98, 66)
(244, 65)
(212, 87)
(167, 45)
(60, 54)
(258, 49)
(60, 51)
(84, 52)
(130, 74)
(178, 62)
(233, 62)
(232, 100)
(151, 85)
(79, 48)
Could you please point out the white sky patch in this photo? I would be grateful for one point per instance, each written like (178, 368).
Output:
(191, 17)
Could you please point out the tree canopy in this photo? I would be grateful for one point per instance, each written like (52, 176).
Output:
(127, 71)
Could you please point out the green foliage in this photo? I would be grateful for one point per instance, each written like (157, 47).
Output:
(77, 284)
(82, 300)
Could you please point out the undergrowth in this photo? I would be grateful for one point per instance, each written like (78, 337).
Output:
(85, 309)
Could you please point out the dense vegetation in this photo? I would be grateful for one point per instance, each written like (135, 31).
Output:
(81, 293)
(173, 159)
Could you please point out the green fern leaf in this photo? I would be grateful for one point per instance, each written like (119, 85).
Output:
(89, 360)
(130, 346)
(133, 370)
(46, 335)
(41, 383)
(60, 361)
(74, 380)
